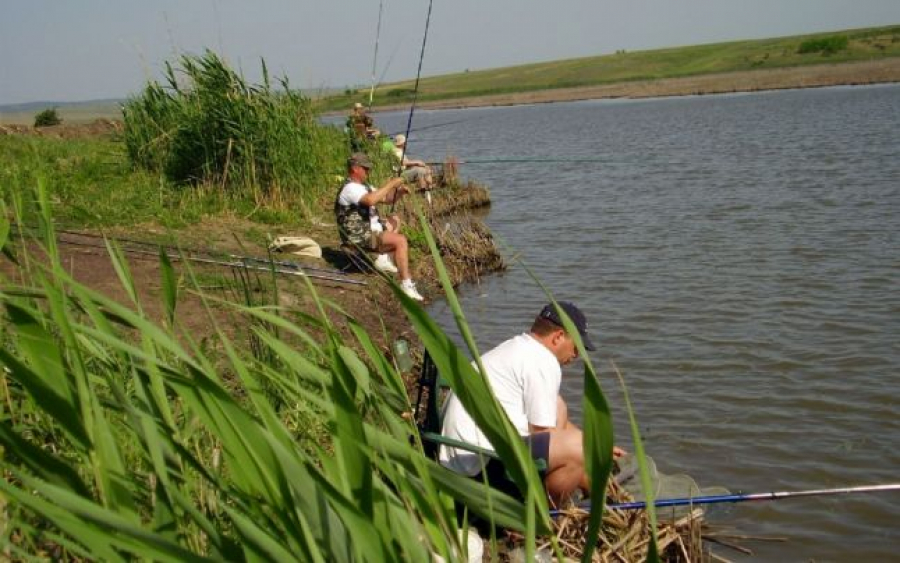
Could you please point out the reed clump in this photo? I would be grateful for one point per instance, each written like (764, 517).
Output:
(625, 534)
(465, 243)
(125, 437)
(454, 198)
(205, 124)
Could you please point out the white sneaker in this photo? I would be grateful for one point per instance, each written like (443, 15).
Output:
(384, 264)
(409, 288)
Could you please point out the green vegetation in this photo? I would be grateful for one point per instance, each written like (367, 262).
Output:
(207, 144)
(207, 126)
(825, 45)
(91, 183)
(861, 44)
(274, 434)
(124, 438)
(47, 118)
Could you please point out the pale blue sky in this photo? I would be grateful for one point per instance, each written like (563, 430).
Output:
(56, 50)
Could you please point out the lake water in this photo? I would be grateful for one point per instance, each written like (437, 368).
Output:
(737, 257)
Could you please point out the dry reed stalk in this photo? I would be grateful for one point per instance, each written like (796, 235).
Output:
(450, 198)
(625, 535)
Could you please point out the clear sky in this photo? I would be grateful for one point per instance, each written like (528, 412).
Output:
(59, 50)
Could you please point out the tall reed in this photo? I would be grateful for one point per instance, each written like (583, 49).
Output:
(126, 438)
(205, 124)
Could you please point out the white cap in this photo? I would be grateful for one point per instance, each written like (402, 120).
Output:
(400, 139)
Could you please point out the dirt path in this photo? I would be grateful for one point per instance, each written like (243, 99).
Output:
(87, 261)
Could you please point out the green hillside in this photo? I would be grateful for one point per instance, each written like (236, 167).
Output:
(799, 50)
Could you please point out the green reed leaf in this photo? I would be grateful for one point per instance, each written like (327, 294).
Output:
(169, 285)
(646, 480)
(42, 463)
(48, 400)
(91, 524)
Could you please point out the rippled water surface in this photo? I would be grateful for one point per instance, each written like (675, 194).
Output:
(738, 259)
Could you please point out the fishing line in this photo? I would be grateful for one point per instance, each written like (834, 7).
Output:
(426, 127)
(387, 66)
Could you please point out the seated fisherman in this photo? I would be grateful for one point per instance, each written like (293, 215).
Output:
(361, 127)
(411, 170)
(359, 224)
(524, 373)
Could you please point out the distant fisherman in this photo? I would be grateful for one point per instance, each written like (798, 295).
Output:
(361, 127)
(411, 170)
(359, 224)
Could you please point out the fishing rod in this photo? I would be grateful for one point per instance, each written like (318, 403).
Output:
(337, 277)
(739, 497)
(527, 160)
(263, 268)
(412, 107)
(196, 252)
(375, 57)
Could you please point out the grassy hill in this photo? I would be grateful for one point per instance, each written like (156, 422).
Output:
(793, 51)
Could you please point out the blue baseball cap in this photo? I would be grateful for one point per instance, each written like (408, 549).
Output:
(549, 313)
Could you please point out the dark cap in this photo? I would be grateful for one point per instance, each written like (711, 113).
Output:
(549, 313)
(359, 159)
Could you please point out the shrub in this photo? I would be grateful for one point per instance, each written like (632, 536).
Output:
(207, 125)
(402, 93)
(825, 45)
(47, 118)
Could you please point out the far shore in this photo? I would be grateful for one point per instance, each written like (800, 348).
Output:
(881, 71)
(842, 74)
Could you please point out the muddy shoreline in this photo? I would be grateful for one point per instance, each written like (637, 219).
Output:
(817, 76)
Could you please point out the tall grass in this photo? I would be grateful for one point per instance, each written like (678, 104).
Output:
(206, 125)
(126, 438)
(92, 183)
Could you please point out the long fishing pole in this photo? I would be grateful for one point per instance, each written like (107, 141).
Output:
(243, 262)
(740, 497)
(375, 57)
(196, 252)
(412, 107)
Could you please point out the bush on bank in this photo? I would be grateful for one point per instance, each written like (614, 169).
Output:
(206, 125)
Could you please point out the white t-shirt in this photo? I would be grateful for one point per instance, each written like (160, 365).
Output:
(351, 193)
(524, 376)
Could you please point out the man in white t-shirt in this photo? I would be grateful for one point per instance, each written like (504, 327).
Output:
(524, 373)
(360, 226)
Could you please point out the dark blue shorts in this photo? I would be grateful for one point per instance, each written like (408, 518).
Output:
(539, 446)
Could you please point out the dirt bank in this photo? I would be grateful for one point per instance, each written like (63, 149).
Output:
(466, 246)
(842, 74)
